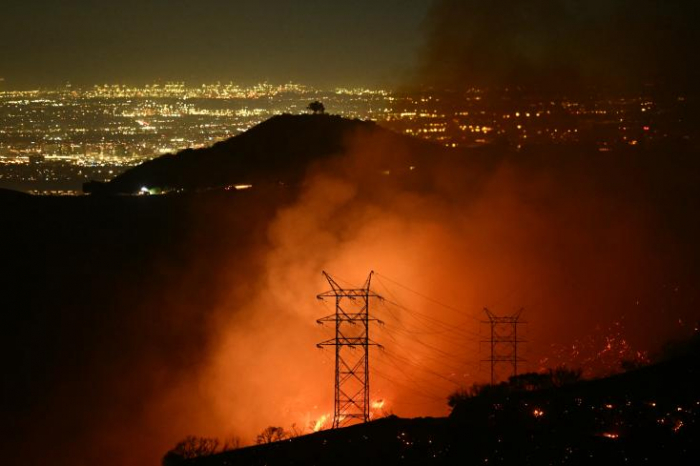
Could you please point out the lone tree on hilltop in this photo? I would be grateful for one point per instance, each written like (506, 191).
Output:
(316, 107)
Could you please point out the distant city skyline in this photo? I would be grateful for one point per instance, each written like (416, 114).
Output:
(194, 86)
(53, 140)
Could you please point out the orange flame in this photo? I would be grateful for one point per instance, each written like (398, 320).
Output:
(320, 422)
(378, 404)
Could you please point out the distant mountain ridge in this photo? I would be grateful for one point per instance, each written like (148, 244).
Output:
(279, 149)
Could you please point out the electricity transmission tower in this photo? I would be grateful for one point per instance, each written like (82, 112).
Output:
(351, 342)
(503, 341)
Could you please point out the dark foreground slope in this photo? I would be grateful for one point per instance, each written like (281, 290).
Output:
(279, 150)
(647, 416)
(106, 306)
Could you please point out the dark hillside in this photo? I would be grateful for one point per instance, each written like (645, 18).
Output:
(646, 416)
(279, 150)
(106, 302)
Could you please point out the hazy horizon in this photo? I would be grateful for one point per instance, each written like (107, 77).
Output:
(361, 43)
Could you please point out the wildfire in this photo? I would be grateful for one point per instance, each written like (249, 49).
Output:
(320, 422)
(378, 404)
(601, 353)
(611, 435)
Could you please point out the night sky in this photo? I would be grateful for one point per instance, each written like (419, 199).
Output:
(563, 44)
(388, 43)
(317, 42)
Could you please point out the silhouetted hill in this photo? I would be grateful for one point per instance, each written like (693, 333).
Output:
(669, 382)
(94, 286)
(277, 150)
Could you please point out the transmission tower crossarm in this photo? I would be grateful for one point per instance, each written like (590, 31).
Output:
(349, 318)
(334, 285)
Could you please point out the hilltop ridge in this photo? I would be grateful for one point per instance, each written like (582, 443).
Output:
(278, 150)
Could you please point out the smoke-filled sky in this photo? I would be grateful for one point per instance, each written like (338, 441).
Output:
(563, 44)
(160, 318)
(453, 43)
(585, 246)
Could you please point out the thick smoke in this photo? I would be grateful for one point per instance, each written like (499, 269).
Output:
(563, 44)
(204, 322)
(582, 248)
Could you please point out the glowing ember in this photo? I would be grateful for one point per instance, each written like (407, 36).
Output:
(678, 426)
(604, 352)
(612, 435)
(538, 413)
(238, 187)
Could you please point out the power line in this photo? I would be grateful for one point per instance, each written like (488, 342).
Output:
(445, 326)
(438, 356)
(401, 328)
(412, 388)
(433, 300)
(403, 360)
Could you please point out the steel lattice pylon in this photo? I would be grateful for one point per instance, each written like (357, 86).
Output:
(351, 342)
(503, 341)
